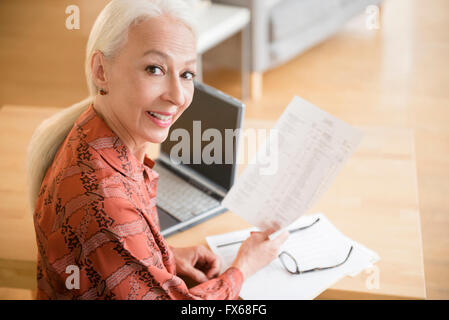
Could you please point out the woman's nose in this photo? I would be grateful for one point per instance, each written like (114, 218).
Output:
(174, 92)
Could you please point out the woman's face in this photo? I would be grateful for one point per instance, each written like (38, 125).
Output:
(150, 80)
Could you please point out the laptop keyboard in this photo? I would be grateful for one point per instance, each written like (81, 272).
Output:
(179, 198)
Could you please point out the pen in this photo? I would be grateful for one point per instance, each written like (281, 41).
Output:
(290, 231)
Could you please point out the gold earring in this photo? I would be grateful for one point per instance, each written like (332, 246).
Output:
(103, 92)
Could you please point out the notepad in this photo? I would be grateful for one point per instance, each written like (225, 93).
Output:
(311, 147)
(320, 245)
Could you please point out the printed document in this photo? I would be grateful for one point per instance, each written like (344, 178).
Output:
(311, 147)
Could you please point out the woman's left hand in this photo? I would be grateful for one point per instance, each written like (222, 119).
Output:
(197, 262)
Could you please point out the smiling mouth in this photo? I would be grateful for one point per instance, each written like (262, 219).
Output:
(159, 116)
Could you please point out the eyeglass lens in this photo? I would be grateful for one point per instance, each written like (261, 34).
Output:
(288, 262)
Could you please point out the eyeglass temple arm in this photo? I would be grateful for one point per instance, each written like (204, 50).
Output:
(325, 268)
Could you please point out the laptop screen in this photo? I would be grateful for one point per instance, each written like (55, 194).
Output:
(204, 139)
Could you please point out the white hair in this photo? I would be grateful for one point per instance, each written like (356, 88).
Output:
(109, 33)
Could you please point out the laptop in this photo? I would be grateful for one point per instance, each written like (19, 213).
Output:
(197, 164)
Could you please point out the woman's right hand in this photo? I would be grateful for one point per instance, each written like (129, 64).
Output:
(258, 251)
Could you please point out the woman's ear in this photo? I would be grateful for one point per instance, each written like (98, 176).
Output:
(98, 70)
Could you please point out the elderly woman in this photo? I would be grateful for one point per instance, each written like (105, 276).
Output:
(93, 187)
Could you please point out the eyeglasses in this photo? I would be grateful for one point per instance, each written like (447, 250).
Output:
(291, 265)
(289, 262)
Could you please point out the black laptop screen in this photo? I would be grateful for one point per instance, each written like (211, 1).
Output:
(204, 129)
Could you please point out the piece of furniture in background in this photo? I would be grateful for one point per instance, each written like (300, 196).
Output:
(281, 29)
(216, 23)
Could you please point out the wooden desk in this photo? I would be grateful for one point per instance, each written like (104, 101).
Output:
(374, 200)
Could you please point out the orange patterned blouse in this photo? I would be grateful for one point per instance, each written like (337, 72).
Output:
(97, 227)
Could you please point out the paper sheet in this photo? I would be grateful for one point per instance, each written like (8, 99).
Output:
(318, 246)
(312, 146)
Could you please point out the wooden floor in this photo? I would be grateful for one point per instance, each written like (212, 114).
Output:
(396, 76)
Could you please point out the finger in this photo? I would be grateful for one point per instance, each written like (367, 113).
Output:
(261, 235)
(280, 239)
(205, 256)
(208, 261)
(214, 269)
(270, 230)
(196, 275)
(272, 227)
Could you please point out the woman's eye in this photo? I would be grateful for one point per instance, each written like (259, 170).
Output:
(154, 70)
(188, 75)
